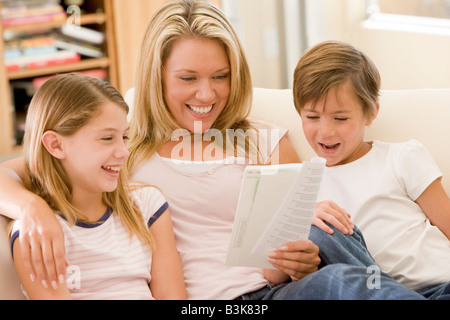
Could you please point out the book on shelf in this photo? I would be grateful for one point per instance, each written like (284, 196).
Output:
(42, 60)
(83, 33)
(16, 13)
(78, 46)
(29, 46)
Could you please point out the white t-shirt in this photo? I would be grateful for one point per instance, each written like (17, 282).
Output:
(379, 191)
(203, 206)
(104, 262)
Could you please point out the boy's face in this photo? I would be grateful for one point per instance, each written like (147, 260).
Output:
(335, 126)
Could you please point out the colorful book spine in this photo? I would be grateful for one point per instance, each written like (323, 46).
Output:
(45, 60)
(52, 17)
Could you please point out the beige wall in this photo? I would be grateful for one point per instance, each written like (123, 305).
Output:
(263, 42)
(405, 59)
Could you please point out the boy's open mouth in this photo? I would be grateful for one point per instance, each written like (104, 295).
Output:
(329, 146)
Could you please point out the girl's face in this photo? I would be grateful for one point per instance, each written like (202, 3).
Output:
(95, 154)
(196, 80)
(335, 126)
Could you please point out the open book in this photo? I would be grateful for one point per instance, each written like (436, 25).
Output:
(276, 206)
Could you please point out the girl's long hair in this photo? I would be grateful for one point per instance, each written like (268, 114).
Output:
(64, 104)
(152, 123)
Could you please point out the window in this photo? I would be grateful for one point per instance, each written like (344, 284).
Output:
(421, 8)
(421, 16)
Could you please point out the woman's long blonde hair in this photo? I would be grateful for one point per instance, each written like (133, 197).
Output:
(152, 123)
(64, 104)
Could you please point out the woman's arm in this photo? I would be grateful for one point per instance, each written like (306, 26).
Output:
(37, 289)
(40, 229)
(435, 203)
(14, 196)
(167, 281)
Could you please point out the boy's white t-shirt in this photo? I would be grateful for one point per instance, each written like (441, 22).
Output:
(379, 190)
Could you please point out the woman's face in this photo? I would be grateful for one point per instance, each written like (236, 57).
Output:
(196, 80)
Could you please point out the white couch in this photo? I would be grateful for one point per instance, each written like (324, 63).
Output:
(410, 114)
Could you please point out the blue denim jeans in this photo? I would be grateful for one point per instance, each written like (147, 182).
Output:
(347, 272)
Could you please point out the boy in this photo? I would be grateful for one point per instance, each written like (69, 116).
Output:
(392, 191)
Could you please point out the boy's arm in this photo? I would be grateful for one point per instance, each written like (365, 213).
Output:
(167, 282)
(435, 203)
(39, 225)
(38, 289)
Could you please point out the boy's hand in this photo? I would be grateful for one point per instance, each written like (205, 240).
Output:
(328, 211)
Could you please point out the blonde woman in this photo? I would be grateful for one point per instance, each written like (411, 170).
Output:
(75, 148)
(191, 137)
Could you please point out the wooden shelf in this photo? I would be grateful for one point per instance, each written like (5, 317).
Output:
(85, 19)
(63, 68)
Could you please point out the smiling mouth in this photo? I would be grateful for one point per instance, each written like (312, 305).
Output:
(114, 170)
(200, 110)
(330, 146)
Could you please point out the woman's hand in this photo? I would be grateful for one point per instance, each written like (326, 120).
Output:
(328, 211)
(296, 259)
(42, 242)
(41, 237)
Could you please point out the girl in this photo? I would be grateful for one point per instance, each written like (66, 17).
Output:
(392, 190)
(75, 150)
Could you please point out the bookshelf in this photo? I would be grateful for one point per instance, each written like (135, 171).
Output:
(19, 79)
(122, 22)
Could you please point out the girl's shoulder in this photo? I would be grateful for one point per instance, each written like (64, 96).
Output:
(149, 199)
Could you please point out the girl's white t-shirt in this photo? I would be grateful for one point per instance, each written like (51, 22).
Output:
(105, 262)
(379, 190)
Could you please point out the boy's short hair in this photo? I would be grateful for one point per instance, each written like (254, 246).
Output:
(330, 64)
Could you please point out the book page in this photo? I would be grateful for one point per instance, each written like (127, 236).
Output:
(292, 221)
(274, 207)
